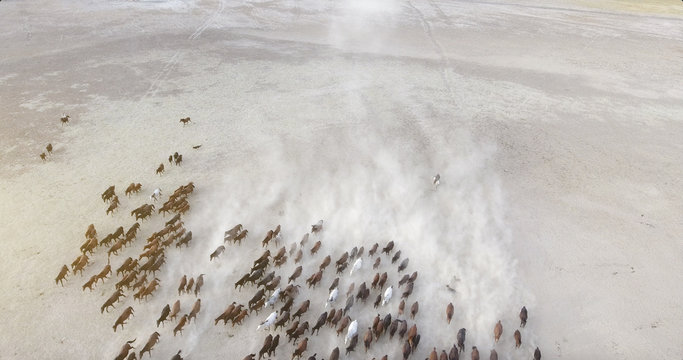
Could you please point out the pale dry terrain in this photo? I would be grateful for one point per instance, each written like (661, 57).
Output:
(556, 130)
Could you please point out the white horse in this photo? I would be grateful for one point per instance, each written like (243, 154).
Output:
(356, 265)
(270, 320)
(333, 296)
(387, 295)
(273, 298)
(156, 194)
(353, 329)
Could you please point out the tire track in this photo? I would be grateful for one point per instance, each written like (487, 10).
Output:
(172, 64)
(162, 75)
(198, 32)
(440, 12)
(445, 64)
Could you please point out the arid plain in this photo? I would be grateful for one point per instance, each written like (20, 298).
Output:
(557, 131)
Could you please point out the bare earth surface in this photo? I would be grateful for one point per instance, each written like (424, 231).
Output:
(557, 131)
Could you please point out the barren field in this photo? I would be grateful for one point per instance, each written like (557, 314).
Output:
(556, 130)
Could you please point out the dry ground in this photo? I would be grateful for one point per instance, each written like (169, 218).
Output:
(556, 129)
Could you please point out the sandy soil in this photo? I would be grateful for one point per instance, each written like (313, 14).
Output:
(556, 130)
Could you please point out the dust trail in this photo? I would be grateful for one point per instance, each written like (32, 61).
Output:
(368, 190)
(369, 179)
